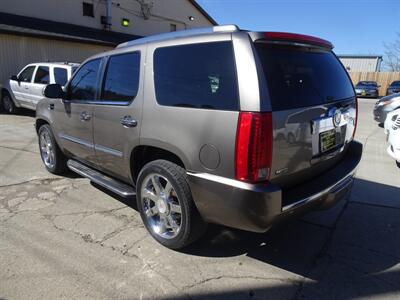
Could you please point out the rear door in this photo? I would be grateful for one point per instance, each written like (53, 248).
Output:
(74, 115)
(41, 79)
(117, 114)
(60, 75)
(314, 109)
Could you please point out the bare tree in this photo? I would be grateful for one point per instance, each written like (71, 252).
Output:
(392, 52)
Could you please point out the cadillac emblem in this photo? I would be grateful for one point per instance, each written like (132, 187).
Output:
(336, 118)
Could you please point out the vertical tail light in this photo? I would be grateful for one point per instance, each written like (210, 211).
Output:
(253, 147)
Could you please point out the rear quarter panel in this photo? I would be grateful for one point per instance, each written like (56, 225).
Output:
(186, 131)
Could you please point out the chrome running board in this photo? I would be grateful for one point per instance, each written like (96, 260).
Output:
(109, 183)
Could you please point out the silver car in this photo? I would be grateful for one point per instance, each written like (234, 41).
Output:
(189, 122)
(26, 88)
(385, 105)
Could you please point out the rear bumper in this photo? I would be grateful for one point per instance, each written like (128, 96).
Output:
(256, 207)
(373, 94)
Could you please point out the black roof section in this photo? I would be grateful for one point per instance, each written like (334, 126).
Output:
(28, 26)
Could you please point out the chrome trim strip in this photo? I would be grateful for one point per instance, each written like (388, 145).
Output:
(108, 150)
(337, 186)
(101, 102)
(223, 180)
(75, 140)
(101, 179)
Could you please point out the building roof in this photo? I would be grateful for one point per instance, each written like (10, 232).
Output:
(205, 14)
(28, 26)
(358, 56)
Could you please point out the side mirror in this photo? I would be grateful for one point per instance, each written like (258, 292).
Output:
(53, 91)
(14, 77)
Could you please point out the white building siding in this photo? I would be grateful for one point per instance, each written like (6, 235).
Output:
(361, 64)
(163, 14)
(18, 51)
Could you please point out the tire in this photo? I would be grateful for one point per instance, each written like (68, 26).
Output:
(158, 208)
(7, 104)
(398, 164)
(54, 160)
(291, 139)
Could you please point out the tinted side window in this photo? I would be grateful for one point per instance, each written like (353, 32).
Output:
(83, 85)
(42, 75)
(61, 75)
(121, 81)
(198, 76)
(26, 75)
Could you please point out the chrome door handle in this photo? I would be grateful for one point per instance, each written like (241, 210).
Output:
(127, 121)
(84, 116)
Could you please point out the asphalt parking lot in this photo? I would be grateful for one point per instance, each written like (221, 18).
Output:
(62, 237)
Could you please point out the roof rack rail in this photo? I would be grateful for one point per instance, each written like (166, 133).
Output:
(180, 33)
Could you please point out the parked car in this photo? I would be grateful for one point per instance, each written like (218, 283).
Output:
(392, 128)
(185, 121)
(393, 88)
(367, 89)
(26, 88)
(385, 105)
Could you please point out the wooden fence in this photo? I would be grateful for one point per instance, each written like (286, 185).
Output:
(384, 79)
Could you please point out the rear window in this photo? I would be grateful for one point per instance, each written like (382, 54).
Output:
(197, 76)
(60, 75)
(121, 81)
(367, 83)
(300, 77)
(42, 75)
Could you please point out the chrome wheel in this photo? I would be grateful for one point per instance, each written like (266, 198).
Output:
(7, 105)
(47, 150)
(161, 206)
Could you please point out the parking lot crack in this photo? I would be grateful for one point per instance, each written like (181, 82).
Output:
(340, 260)
(323, 252)
(41, 180)
(201, 282)
(17, 149)
(374, 204)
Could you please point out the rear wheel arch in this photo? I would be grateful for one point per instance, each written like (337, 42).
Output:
(143, 154)
(39, 123)
(5, 91)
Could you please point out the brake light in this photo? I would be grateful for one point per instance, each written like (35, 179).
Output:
(356, 119)
(253, 147)
(300, 38)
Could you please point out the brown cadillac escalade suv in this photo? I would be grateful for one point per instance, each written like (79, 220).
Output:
(210, 125)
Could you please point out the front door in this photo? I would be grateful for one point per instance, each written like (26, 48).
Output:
(74, 115)
(117, 115)
(20, 88)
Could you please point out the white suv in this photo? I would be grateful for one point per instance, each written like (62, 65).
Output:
(392, 129)
(26, 88)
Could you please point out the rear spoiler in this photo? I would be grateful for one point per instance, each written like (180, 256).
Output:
(294, 38)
